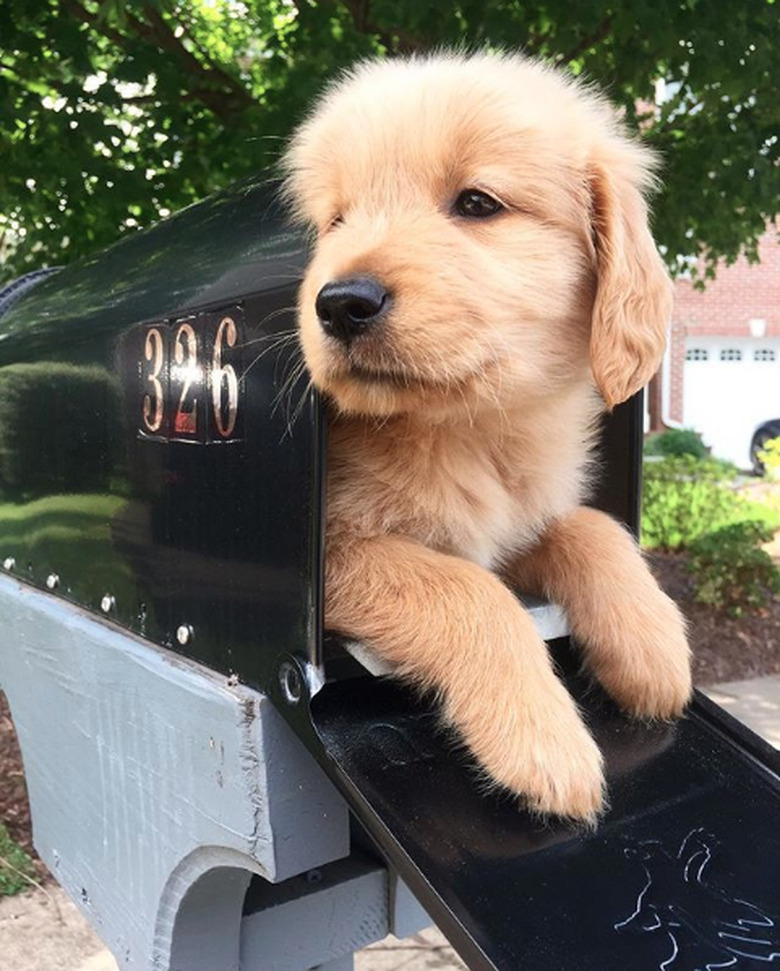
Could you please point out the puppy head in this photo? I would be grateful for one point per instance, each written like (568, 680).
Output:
(481, 237)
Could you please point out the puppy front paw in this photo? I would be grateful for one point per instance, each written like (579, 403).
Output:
(564, 776)
(644, 663)
(545, 755)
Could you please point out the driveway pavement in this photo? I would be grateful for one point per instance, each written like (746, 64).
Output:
(43, 931)
(756, 703)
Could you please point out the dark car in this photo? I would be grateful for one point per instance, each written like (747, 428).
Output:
(764, 433)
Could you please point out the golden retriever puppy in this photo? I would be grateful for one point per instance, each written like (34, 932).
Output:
(483, 283)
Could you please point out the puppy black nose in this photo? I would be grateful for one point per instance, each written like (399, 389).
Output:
(348, 308)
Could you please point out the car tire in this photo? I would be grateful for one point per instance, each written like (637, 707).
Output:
(762, 436)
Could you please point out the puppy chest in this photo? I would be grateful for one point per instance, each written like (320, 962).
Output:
(452, 499)
(473, 516)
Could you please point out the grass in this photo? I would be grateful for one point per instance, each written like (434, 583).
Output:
(69, 535)
(16, 867)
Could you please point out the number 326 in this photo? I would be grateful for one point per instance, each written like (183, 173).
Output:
(184, 376)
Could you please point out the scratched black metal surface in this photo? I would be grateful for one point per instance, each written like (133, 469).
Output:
(682, 874)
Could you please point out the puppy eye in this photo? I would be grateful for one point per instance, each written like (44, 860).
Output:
(329, 226)
(474, 204)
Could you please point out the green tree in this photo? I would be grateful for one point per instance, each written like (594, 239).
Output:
(115, 112)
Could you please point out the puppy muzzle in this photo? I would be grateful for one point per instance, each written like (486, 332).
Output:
(347, 309)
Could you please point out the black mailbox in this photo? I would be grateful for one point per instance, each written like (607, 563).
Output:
(165, 455)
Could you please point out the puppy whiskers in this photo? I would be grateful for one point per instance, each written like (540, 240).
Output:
(264, 338)
(299, 407)
(292, 371)
(278, 341)
(290, 380)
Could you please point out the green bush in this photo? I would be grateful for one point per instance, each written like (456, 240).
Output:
(731, 571)
(676, 441)
(15, 866)
(683, 498)
(56, 427)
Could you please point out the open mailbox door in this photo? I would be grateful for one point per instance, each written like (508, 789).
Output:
(163, 457)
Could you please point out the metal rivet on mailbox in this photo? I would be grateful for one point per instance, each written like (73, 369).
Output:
(107, 604)
(290, 681)
(9, 563)
(52, 581)
(184, 634)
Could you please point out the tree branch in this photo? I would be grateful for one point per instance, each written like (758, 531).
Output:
(34, 86)
(217, 90)
(599, 34)
(359, 12)
(213, 65)
(534, 41)
(93, 20)
(163, 36)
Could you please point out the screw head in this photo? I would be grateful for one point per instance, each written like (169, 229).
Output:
(290, 682)
(52, 581)
(184, 634)
(9, 563)
(107, 604)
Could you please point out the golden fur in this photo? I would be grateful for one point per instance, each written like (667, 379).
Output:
(461, 427)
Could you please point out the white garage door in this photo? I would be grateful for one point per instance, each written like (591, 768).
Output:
(730, 385)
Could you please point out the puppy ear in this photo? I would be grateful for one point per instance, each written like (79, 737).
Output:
(633, 301)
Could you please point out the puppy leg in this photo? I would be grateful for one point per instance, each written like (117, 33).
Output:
(631, 633)
(449, 625)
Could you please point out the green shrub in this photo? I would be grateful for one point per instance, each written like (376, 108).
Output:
(683, 498)
(766, 512)
(731, 571)
(676, 441)
(56, 429)
(15, 866)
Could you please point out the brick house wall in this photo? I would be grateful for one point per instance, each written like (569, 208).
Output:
(739, 293)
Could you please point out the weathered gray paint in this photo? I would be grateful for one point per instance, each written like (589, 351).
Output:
(207, 926)
(407, 917)
(147, 773)
(302, 932)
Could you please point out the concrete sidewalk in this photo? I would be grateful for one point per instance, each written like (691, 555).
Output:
(43, 930)
(756, 703)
